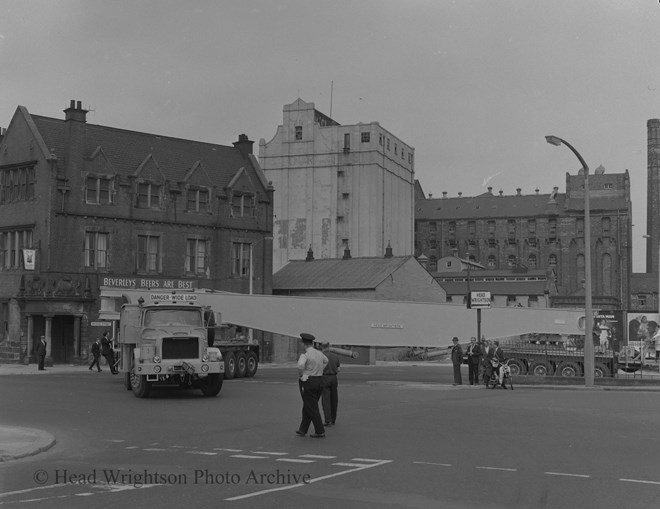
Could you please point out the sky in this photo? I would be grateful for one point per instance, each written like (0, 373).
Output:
(473, 85)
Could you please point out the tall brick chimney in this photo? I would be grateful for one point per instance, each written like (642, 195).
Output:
(244, 144)
(653, 194)
(75, 120)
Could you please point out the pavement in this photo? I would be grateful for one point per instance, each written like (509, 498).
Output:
(20, 442)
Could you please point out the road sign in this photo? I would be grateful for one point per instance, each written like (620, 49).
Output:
(479, 300)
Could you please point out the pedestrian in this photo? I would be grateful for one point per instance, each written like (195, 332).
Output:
(108, 352)
(310, 382)
(96, 352)
(41, 353)
(498, 360)
(456, 360)
(486, 361)
(474, 359)
(330, 397)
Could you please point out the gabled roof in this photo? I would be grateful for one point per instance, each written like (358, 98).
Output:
(127, 150)
(337, 274)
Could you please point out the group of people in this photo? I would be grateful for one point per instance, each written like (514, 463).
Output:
(483, 357)
(103, 346)
(317, 379)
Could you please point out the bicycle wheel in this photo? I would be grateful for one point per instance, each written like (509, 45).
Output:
(508, 382)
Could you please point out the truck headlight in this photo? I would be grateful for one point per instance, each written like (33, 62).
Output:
(205, 367)
(213, 354)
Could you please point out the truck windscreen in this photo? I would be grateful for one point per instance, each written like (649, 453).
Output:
(170, 317)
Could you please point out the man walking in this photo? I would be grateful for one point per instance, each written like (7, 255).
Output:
(456, 360)
(108, 353)
(330, 397)
(96, 352)
(41, 353)
(310, 382)
(474, 359)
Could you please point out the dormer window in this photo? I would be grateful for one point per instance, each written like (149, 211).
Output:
(243, 205)
(148, 195)
(98, 190)
(198, 200)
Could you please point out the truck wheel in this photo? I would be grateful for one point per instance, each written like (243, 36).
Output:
(252, 364)
(601, 370)
(541, 368)
(230, 366)
(241, 365)
(569, 369)
(517, 367)
(140, 386)
(212, 385)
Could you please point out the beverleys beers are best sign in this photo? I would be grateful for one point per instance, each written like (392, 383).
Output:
(479, 300)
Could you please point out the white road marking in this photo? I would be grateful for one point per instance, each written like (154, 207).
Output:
(295, 460)
(204, 453)
(567, 475)
(249, 456)
(430, 463)
(273, 453)
(367, 460)
(344, 464)
(116, 441)
(322, 478)
(317, 456)
(131, 447)
(177, 446)
(499, 468)
(639, 481)
(152, 449)
(227, 450)
(28, 490)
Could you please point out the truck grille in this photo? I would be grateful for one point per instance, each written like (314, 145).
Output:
(180, 348)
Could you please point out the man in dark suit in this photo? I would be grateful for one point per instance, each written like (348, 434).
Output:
(41, 353)
(456, 360)
(108, 353)
(473, 358)
(96, 352)
(498, 358)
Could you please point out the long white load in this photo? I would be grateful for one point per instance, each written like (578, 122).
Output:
(370, 322)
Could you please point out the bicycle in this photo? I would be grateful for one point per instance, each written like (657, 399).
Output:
(506, 379)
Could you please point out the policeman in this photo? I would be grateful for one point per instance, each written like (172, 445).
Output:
(310, 382)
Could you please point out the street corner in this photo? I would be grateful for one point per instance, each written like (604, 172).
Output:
(19, 442)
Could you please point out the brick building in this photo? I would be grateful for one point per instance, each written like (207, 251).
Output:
(87, 206)
(538, 231)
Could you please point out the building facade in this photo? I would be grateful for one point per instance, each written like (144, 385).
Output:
(337, 187)
(539, 231)
(85, 207)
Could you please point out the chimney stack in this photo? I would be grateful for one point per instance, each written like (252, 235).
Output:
(310, 254)
(75, 111)
(347, 254)
(444, 194)
(490, 189)
(652, 198)
(244, 145)
(388, 250)
(518, 192)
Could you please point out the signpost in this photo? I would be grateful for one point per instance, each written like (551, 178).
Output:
(478, 301)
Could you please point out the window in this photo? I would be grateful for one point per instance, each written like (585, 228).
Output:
(511, 227)
(97, 190)
(452, 227)
(641, 300)
(552, 260)
(365, 137)
(148, 195)
(148, 253)
(472, 228)
(347, 141)
(96, 250)
(198, 200)
(240, 259)
(491, 228)
(380, 140)
(388, 143)
(433, 244)
(606, 225)
(579, 227)
(511, 261)
(243, 205)
(196, 256)
(298, 129)
(607, 186)
(4, 320)
(531, 227)
(510, 300)
(531, 261)
(345, 196)
(492, 262)
(17, 184)
(12, 244)
(433, 227)
(552, 228)
(433, 263)
(396, 149)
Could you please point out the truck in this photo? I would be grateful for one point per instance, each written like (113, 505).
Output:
(555, 355)
(165, 342)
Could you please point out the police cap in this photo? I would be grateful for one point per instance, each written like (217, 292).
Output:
(307, 338)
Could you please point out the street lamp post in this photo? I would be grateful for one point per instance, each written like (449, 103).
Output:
(649, 237)
(588, 308)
